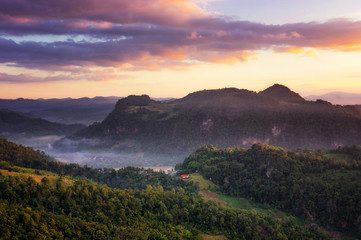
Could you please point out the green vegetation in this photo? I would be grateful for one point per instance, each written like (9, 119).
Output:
(33, 210)
(320, 189)
(243, 203)
(223, 117)
(83, 210)
(129, 177)
(211, 192)
(35, 174)
(203, 184)
(210, 237)
(352, 152)
(339, 157)
(235, 202)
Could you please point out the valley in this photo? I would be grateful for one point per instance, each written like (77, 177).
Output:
(306, 185)
(180, 120)
(54, 190)
(167, 132)
(141, 131)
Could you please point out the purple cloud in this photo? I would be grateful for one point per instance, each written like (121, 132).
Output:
(28, 78)
(143, 34)
(76, 74)
(162, 12)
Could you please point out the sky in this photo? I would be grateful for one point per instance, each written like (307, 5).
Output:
(169, 48)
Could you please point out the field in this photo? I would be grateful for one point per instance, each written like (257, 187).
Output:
(339, 157)
(203, 183)
(210, 237)
(210, 191)
(37, 175)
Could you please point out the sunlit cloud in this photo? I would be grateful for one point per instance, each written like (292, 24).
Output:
(98, 74)
(147, 35)
(300, 51)
(28, 78)
(114, 11)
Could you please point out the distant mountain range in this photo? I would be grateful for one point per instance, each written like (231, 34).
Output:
(67, 110)
(227, 117)
(338, 98)
(18, 123)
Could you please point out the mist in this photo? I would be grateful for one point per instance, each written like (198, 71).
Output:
(93, 157)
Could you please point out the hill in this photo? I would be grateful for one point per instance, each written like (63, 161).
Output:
(66, 110)
(33, 207)
(341, 98)
(18, 123)
(282, 94)
(324, 188)
(225, 118)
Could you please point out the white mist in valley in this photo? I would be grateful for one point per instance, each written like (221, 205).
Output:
(94, 158)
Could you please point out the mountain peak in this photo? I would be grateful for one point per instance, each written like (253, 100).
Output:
(282, 93)
(279, 87)
(220, 100)
(135, 100)
(214, 94)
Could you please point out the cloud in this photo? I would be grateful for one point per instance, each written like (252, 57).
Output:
(113, 11)
(149, 35)
(27, 78)
(84, 74)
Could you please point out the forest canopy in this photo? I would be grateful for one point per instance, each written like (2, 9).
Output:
(307, 183)
(87, 209)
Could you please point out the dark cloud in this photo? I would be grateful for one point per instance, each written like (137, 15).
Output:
(145, 34)
(162, 12)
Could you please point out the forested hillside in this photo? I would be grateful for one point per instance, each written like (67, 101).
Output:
(129, 177)
(17, 123)
(225, 118)
(84, 210)
(307, 183)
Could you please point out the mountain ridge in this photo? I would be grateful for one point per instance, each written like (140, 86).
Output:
(282, 93)
(12, 122)
(342, 98)
(226, 117)
(66, 110)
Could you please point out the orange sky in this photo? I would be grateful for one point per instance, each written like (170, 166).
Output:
(170, 48)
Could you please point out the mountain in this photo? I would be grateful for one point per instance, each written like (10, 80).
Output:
(19, 123)
(282, 94)
(341, 98)
(67, 110)
(227, 117)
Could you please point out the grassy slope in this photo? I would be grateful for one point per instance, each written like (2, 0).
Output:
(37, 175)
(210, 237)
(339, 157)
(210, 191)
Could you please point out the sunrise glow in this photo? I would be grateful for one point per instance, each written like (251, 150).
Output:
(170, 48)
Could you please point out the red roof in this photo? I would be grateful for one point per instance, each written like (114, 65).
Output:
(184, 176)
